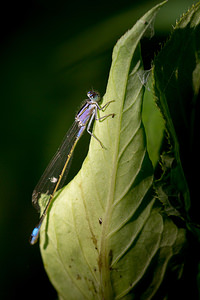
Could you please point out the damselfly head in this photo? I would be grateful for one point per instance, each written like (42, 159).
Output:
(94, 96)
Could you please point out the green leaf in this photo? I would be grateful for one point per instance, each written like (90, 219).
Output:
(104, 237)
(153, 124)
(176, 83)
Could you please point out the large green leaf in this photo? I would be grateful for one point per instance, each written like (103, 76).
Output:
(176, 84)
(104, 237)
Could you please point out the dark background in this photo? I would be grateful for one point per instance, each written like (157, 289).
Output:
(51, 54)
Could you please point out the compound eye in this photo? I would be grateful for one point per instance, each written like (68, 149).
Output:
(92, 95)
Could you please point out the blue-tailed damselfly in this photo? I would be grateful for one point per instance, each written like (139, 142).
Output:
(56, 172)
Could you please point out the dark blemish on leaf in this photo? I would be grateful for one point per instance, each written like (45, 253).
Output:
(131, 284)
(100, 221)
(110, 257)
(94, 240)
(78, 277)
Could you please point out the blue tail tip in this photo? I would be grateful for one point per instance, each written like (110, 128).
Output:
(34, 236)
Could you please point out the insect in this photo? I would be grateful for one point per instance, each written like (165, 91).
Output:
(56, 172)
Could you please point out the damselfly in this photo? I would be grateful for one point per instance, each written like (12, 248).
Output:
(56, 172)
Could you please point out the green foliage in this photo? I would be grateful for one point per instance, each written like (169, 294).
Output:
(176, 86)
(153, 123)
(108, 234)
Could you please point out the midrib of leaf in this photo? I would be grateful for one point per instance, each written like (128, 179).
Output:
(106, 285)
